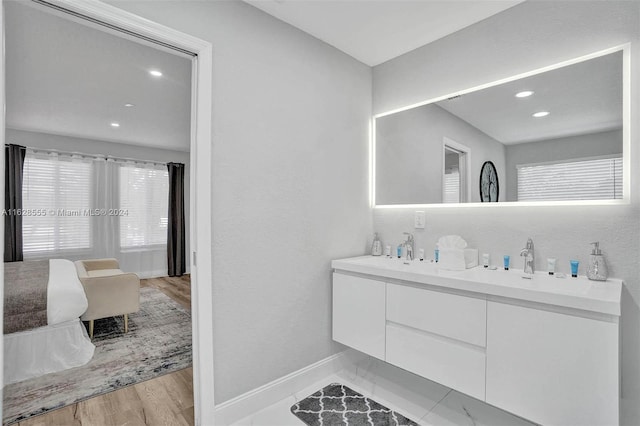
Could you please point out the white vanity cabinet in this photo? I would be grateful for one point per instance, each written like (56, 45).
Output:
(554, 368)
(359, 313)
(544, 349)
(437, 335)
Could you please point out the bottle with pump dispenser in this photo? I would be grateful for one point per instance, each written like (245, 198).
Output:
(597, 270)
(376, 246)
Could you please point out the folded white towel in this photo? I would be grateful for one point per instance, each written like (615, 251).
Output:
(451, 242)
(454, 254)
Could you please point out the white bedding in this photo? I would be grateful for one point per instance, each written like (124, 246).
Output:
(65, 295)
(63, 343)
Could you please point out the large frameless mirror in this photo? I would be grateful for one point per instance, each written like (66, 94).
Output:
(551, 135)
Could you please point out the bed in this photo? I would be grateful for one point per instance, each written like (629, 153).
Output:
(59, 340)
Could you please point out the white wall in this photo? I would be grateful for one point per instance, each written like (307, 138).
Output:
(573, 147)
(528, 36)
(409, 155)
(290, 186)
(147, 263)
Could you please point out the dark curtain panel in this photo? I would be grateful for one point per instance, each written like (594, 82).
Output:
(175, 238)
(13, 162)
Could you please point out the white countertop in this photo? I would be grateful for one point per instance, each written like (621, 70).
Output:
(578, 293)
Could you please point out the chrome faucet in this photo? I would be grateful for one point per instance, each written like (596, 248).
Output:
(409, 246)
(529, 257)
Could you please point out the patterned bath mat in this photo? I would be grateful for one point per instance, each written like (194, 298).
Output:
(158, 342)
(337, 405)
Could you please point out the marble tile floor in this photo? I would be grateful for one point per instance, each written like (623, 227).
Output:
(430, 405)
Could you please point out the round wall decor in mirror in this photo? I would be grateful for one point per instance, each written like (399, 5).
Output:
(489, 187)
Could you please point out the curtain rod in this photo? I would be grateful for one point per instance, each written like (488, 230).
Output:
(94, 156)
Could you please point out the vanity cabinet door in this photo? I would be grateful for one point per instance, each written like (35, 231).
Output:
(552, 368)
(359, 313)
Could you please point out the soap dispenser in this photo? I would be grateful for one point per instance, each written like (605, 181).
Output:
(597, 266)
(376, 246)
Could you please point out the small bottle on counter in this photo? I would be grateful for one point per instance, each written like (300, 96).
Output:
(574, 268)
(376, 246)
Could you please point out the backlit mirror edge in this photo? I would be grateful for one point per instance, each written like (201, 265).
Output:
(626, 138)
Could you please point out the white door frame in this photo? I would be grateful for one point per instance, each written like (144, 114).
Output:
(2, 139)
(201, 178)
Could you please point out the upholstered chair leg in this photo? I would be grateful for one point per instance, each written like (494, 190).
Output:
(91, 329)
(126, 323)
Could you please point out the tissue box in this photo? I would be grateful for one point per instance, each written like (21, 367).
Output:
(453, 259)
(470, 258)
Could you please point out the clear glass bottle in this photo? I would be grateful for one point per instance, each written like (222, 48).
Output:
(376, 246)
(597, 270)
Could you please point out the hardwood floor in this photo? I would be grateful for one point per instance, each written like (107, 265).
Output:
(177, 288)
(165, 400)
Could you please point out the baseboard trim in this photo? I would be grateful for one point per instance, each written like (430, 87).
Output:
(152, 274)
(259, 398)
(160, 273)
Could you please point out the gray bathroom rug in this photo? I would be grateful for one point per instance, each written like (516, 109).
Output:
(338, 405)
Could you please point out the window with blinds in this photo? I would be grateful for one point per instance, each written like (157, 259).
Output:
(588, 179)
(451, 186)
(57, 192)
(144, 195)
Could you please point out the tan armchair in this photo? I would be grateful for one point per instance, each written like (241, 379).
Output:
(110, 291)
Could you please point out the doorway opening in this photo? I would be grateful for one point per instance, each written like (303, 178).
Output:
(112, 20)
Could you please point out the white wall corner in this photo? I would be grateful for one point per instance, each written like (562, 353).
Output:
(260, 398)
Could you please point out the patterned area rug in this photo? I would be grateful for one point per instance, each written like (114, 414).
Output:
(337, 405)
(158, 342)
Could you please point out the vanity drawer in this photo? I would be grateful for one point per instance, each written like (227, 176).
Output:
(452, 363)
(456, 317)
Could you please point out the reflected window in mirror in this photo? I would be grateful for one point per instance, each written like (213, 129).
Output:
(583, 101)
(582, 179)
(451, 177)
(455, 175)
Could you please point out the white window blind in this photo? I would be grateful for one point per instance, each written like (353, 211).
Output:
(452, 186)
(56, 196)
(588, 179)
(144, 195)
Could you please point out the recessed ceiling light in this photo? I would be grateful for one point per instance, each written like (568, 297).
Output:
(541, 114)
(129, 105)
(114, 124)
(155, 73)
(524, 94)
